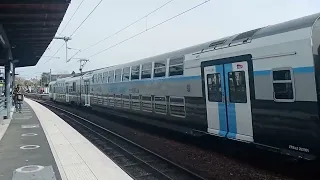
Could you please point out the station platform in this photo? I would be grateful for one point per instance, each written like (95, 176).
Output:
(37, 144)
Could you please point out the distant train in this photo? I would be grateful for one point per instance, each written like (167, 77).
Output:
(261, 86)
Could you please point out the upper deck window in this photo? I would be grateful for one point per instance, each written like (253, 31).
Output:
(146, 70)
(117, 75)
(283, 85)
(176, 66)
(126, 74)
(160, 69)
(135, 72)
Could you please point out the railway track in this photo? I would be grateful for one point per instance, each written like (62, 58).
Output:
(139, 162)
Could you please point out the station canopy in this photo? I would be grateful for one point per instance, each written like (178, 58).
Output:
(27, 27)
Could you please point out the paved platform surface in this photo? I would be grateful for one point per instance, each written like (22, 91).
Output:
(76, 157)
(24, 150)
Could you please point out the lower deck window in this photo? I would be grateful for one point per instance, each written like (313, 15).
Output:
(135, 103)
(111, 100)
(106, 100)
(118, 101)
(126, 101)
(283, 88)
(160, 104)
(177, 106)
(146, 103)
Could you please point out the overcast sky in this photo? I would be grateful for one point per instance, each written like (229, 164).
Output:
(213, 20)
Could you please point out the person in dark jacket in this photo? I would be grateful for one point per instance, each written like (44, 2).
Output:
(18, 97)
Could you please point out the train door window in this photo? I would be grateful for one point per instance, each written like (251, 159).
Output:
(135, 102)
(176, 66)
(146, 103)
(237, 87)
(135, 72)
(177, 106)
(160, 104)
(146, 71)
(111, 77)
(160, 69)
(117, 77)
(283, 85)
(126, 74)
(214, 87)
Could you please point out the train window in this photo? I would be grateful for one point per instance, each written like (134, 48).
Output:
(283, 85)
(111, 77)
(237, 87)
(135, 102)
(111, 99)
(176, 66)
(146, 103)
(160, 104)
(214, 87)
(135, 72)
(146, 71)
(105, 77)
(96, 78)
(126, 74)
(117, 76)
(100, 77)
(177, 106)
(118, 100)
(160, 69)
(74, 86)
(126, 101)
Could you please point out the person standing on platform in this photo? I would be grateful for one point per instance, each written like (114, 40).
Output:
(18, 98)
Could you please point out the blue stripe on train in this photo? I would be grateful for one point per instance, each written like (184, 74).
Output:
(222, 107)
(231, 113)
(308, 69)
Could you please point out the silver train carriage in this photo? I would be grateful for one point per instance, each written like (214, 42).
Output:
(260, 86)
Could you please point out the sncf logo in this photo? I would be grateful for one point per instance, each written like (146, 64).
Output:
(239, 66)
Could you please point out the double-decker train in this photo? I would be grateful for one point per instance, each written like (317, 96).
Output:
(261, 86)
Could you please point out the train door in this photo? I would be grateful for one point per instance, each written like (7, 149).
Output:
(86, 92)
(228, 99)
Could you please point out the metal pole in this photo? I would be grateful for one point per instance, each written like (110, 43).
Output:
(50, 76)
(13, 76)
(80, 79)
(7, 86)
(66, 50)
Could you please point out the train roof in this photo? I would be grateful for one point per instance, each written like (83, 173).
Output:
(284, 27)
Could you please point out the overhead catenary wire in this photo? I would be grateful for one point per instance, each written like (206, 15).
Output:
(159, 24)
(69, 19)
(173, 17)
(129, 25)
(72, 17)
(122, 29)
(77, 28)
(55, 53)
(86, 18)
